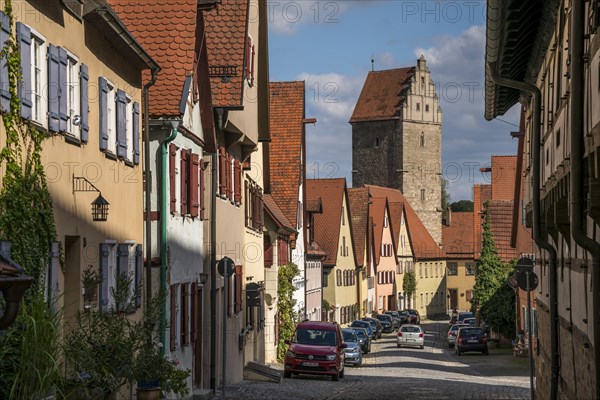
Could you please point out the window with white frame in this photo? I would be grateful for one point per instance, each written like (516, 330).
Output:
(39, 78)
(111, 117)
(129, 128)
(73, 94)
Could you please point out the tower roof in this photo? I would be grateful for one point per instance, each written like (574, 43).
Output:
(383, 95)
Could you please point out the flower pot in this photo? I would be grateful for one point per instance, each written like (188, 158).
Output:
(148, 394)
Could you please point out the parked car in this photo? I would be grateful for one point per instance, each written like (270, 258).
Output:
(403, 317)
(463, 315)
(363, 339)
(469, 321)
(395, 318)
(375, 324)
(316, 348)
(471, 339)
(354, 350)
(411, 335)
(413, 317)
(453, 320)
(359, 323)
(387, 324)
(452, 334)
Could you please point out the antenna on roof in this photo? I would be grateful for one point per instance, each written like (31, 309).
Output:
(372, 63)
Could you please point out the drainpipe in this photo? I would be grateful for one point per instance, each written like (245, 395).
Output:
(148, 186)
(163, 222)
(578, 226)
(540, 241)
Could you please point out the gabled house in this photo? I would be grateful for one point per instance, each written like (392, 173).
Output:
(333, 233)
(314, 257)
(236, 39)
(405, 257)
(430, 259)
(358, 199)
(176, 215)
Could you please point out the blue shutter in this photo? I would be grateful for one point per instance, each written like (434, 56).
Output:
(139, 260)
(84, 79)
(24, 41)
(53, 274)
(103, 297)
(63, 112)
(122, 258)
(136, 133)
(4, 82)
(121, 124)
(53, 88)
(102, 101)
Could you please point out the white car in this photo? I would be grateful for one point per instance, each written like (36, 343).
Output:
(411, 335)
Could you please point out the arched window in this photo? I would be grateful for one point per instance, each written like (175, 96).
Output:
(422, 139)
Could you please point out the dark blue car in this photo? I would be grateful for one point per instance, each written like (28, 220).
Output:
(363, 324)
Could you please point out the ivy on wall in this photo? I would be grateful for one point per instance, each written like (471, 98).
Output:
(26, 215)
(285, 305)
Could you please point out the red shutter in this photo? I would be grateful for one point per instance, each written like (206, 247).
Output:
(184, 315)
(194, 184)
(183, 187)
(261, 210)
(238, 288)
(229, 282)
(248, 57)
(252, 66)
(246, 203)
(173, 302)
(193, 312)
(268, 251)
(202, 188)
(222, 171)
(237, 184)
(228, 176)
(172, 157)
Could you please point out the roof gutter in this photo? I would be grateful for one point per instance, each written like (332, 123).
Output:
(540, 241)
(576, 190)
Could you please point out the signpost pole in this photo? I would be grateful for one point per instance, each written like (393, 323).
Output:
(527, 272)
(225, 307)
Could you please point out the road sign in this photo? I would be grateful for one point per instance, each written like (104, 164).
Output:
(525, 263)
(533, 280)
(226, 267)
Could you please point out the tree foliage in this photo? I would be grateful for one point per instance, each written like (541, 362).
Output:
(492, 296)
(445, 198)
(409, 286)
(461, 206)
(285, 305)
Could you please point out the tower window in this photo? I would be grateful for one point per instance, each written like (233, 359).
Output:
(422, 80)
(557, 138)
(422, 142)
(422, 194)
(376, 142)
(427, 107)
(418, 106)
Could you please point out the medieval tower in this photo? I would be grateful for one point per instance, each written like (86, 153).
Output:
(397, 139)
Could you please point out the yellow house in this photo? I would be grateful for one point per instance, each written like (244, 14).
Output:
(333, 233)
(404, 254)
(384, 255)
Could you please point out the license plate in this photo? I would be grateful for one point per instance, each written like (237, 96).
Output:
(410, 340)
(310, 364)
(473, 341)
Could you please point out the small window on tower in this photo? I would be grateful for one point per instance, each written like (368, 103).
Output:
(426, 107)
(418, 106)
(422, 194)
(422, 139)
(376, 142)
(422, 80)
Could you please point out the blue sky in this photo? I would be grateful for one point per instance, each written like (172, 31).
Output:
(329, 45)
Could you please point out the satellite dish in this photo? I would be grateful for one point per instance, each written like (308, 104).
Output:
(268, 299)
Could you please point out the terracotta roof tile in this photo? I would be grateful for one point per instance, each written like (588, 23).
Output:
(167, 30)
(276, 213)
(501, 226)
(423, 245)
(395, 220)
(327, 224)
(359, 215)
(314, 205)
(503, 177)
(377, 212)
(457, 238)
(226, 28)
(382, 95)
(286, 112)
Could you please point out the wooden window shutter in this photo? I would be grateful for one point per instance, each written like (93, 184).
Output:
(183, 186)
(246, 203)
(136, 132)
(238, 288)
(338, 276)
(268, 251)
(202, 189)
(4, 37)
(237, 182)
(194, 184)
(172, 158)
(121, 124)
(222, 171)
(103, 112)
(228, 176)
(53, 88)
(25, 96)
(173, 319)
(63, 115)
(184, 315)
(193, 312)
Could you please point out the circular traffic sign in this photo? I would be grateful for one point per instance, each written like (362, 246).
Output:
(226, 267)
(533, 280)
(524, 263)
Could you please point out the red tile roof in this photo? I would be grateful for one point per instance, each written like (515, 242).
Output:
(501, 226)
(314, 205)
(276, 214)
(286, 112)
(457, 238)
(359, 215)
(395, 220)
(503, 177)
(377, 212)
(383, 95)
(327, 224)
(167, 30)
(423, 245)
(226, 32)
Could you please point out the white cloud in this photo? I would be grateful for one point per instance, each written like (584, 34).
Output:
(287, 16)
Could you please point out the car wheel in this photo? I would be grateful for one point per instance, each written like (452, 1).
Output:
(342, 372)
(421, 347)
(335, 377)
(398, 344)
(287, 374)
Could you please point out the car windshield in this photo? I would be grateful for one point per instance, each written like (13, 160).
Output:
(471, 332)
(372, 323)
(349, 336)
(456, 327)
(412, 312)
(410, 329)
(392, 313)
(384, 318)
(360, 324)
(462, 316)
(316, 337)
(405, 313)
(360, 334)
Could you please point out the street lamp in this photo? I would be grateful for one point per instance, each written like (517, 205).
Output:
(100, 205)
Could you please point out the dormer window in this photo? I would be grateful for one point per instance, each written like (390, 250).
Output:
(249, 69)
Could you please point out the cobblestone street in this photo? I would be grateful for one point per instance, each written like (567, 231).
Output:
(392, 373)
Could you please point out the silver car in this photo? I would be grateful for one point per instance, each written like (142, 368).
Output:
(411, 335)
(452, 332)
(354, 350)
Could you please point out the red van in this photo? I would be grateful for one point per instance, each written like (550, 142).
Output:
(316, 348)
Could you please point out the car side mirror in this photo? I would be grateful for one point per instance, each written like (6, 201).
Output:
(287, 341)
(344, 345)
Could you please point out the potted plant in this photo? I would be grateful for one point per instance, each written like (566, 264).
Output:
(154, 373)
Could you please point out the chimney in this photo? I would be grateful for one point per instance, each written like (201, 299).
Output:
(448, 216)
